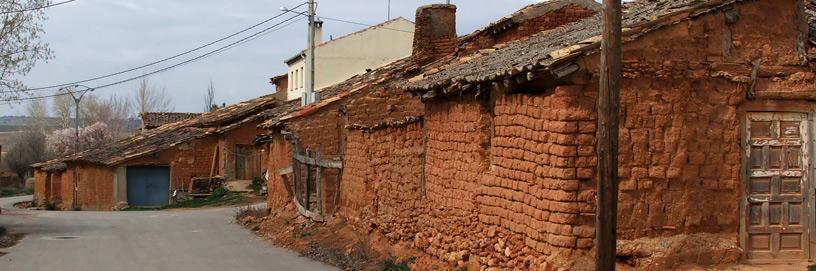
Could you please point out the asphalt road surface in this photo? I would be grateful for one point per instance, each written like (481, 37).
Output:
(173, 240)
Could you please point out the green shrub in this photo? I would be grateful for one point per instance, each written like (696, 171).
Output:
(218, 193)
(257, 184)
(391, 265)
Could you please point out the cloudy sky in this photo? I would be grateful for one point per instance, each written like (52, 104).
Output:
(98, 37)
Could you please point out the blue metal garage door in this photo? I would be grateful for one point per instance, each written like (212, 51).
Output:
(148, 186)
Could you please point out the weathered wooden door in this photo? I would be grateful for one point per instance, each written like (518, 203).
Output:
(247, 162)
(777, 213)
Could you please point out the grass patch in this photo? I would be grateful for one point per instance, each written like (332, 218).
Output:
(391, 265)
(14, 192)
(301, 234)
(220, 197)
(256, 185)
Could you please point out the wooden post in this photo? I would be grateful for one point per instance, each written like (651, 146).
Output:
(607, 146)
(306, 181)
(297, 180)
(318, 185)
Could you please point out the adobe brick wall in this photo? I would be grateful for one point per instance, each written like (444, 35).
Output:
(40, 188)
(94, 188)
(187, 160)
(381, 185)
(66, 189)
(280, 156)
(435, 32)
(242, 135)
(508, 182)
(55, 195)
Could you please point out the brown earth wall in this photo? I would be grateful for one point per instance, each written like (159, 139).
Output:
(41, 189)
(381, 185)
(55, 188)
(280, 156)
(243, 135)
(508, 182)
(322, 131)
(94, 188)
(187, 160)
(66, 189)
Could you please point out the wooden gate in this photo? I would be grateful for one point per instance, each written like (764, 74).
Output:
(776, 216)
(308, 174)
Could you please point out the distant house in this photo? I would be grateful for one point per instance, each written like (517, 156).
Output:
(144, 170)
(341, 58)
(281, 83)
(151, 120)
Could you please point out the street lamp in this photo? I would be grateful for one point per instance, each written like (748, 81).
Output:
(77, 95)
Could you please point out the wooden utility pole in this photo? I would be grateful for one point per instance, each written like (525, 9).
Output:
(309, 94)
(607, 146)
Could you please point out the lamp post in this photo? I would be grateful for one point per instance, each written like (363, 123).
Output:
(77, 95)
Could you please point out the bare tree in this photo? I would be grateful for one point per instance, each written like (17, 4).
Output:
(37, 115)
(149, 99)
(28, 148)
(209, 98)
(63, 107)
(113, 112)
(21, 46)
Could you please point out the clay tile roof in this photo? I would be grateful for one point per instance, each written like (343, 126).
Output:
(811, 11)
(529, 12)
(549, 48)
(167, 136)
(152, 120)
(292, 109)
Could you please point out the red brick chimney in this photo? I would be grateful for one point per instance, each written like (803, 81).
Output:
(435, 34)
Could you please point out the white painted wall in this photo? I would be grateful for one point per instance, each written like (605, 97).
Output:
(350, 55)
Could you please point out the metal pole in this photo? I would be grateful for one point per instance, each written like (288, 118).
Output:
(389, 9)
(77, 100)
(310, 56)
(76, 147)
(607, 144)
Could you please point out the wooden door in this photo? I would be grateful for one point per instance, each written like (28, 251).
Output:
(247, 162)
(776, 215)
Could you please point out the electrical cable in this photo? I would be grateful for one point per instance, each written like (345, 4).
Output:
(216, 51)
(363, 24)
(208, 54)
(155, 62)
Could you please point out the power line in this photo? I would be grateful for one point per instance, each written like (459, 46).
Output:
(37, 8)
(155, 62)
(363, 24)
(22, 99)
(208, 54)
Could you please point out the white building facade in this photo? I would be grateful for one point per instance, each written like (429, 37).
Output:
(342, 58)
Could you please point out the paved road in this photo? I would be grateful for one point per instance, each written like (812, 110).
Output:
(123, 241)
